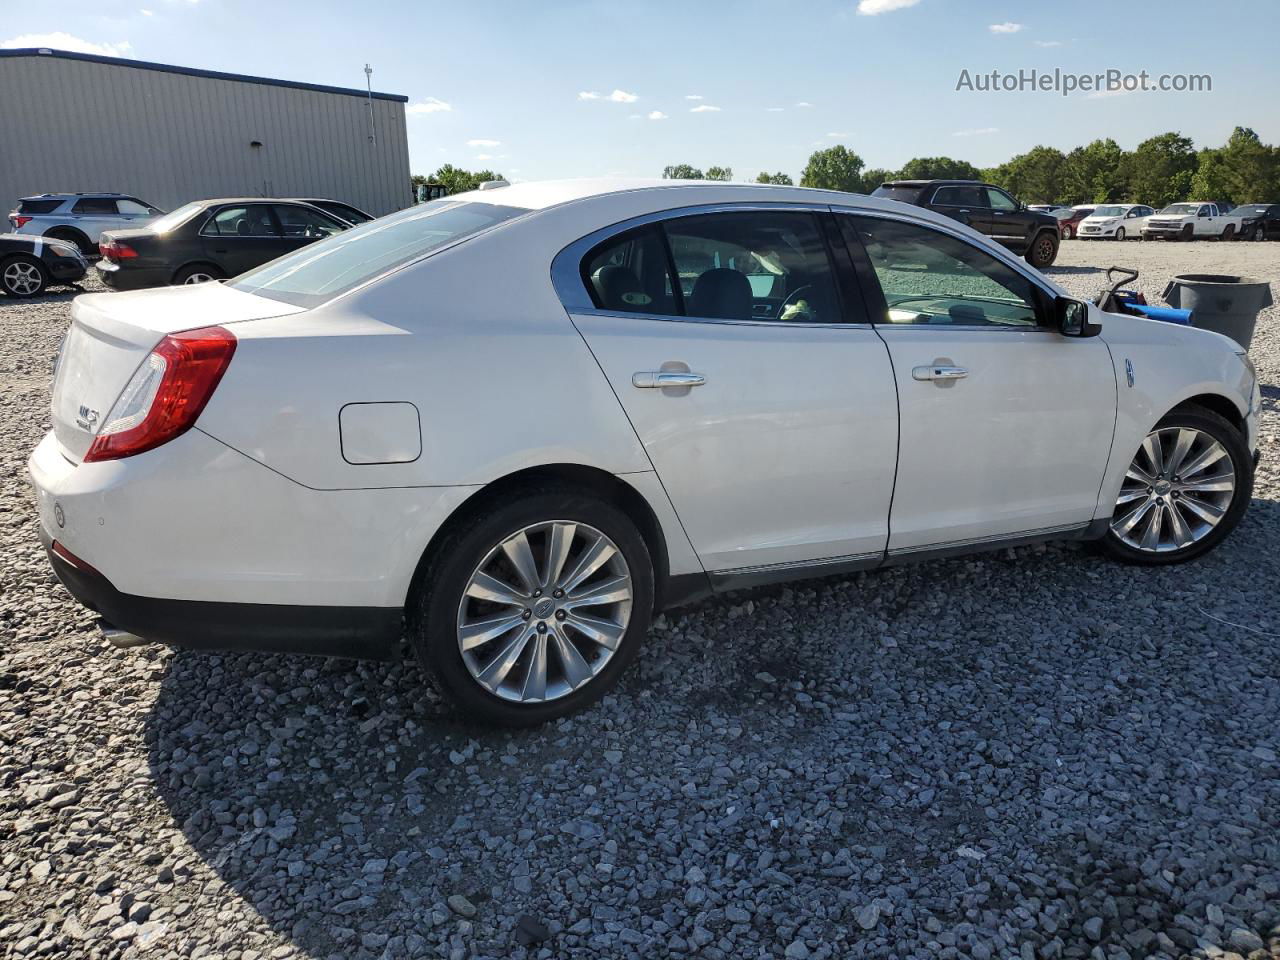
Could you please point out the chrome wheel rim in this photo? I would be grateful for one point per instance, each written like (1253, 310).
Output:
(544, 611)
(198, 278)
(1175, 492)
(1120, 234)
(22, 278)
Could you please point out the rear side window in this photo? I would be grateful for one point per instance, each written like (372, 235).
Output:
(629, 273)
(959, 197)
(95, 205)
(252, 220)
(329, 268)
(39, 206)
(298, 221)
(349, 214)
(754, 265)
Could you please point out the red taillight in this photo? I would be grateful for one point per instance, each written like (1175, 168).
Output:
(62, 553)
(19, 222)
(166, 394)
(115, 250)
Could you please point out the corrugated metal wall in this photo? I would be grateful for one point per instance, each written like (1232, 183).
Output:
(79, 126)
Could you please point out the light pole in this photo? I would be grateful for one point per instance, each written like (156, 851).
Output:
(368, 82)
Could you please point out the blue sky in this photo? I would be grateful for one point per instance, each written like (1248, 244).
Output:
(598, 87)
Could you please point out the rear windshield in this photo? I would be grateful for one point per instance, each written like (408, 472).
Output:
(175, 219)
(39, 206)
(891, 192)
(328, 268)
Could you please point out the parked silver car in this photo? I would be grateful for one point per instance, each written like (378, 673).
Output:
(80, 218)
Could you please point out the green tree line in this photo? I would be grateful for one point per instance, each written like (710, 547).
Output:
(1162, 169)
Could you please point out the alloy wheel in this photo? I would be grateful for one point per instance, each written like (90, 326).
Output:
(199, 278)
(1175, 492)
(544, 611)
(22, 279)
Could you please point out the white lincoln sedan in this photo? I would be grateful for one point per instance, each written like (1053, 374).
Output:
(514, 423)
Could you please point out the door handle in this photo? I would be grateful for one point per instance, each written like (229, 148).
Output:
(655, 379)
(938, 372)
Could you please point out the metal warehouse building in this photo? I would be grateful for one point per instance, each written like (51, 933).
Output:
(77, 123)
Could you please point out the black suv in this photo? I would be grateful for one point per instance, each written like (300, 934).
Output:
(988, 210)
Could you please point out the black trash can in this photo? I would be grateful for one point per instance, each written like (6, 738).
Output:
(1220, 302)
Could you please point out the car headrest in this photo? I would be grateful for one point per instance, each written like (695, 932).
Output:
(721, 294)
(242, 227)
(619, 289)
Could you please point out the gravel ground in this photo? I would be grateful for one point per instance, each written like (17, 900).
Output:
(1029, 754)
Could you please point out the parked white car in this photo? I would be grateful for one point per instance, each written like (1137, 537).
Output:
(1115, 221)
(1187, 221)
(519, 421)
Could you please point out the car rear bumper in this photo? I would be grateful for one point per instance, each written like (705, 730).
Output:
(127, 278)
(66, 271)
(368, 633)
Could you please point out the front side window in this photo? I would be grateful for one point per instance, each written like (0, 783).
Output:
(1000, 200)
(298, 221)
(930, 277)
(329, 268)
(251, 220)
(349, 214)
(754, 265)
(133, 208)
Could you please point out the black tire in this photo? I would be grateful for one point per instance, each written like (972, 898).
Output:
(1228, 232)
(197, 269)
(1068, 232)
(1242, 463)
(1120, 233)
(1043, 250)
(17, 282)
(1188, 233)
(434, 606)
(70, 235)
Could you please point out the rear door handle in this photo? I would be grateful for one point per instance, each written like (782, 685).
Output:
(655, 379)
(938, 372)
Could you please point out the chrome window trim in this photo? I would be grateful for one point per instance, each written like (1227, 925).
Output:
(566, 266)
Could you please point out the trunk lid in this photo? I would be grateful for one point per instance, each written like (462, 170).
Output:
(112, 333)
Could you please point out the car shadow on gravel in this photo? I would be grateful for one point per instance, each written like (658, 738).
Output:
(948, 737)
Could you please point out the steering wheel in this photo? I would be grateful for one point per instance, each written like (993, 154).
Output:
(793, 295)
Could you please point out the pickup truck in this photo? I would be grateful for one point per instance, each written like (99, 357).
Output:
(1187, 221)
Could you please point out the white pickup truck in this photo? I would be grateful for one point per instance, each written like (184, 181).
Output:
(1187, 221)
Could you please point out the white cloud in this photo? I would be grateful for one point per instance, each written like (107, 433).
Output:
(705, 108)
(869, 8)
(804, 104)
(1005, 27)
(484, 156)
(483, 143)
(694, 96)
(427, 105)
(976, 132)
(657, 115)
(618, 96)
(838, 136)
(1048, 43)
(773, 109)
(147, 13)
(65, 41)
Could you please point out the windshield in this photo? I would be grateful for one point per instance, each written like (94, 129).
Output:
(1251, 210)
(175, 219)
(330, 267)
(1108, 212)
(1181, 209)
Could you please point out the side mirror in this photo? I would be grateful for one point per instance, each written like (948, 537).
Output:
(1072, 318)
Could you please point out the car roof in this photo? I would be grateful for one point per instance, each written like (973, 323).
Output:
(68, 196)
(544, 194)
(926, 183)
